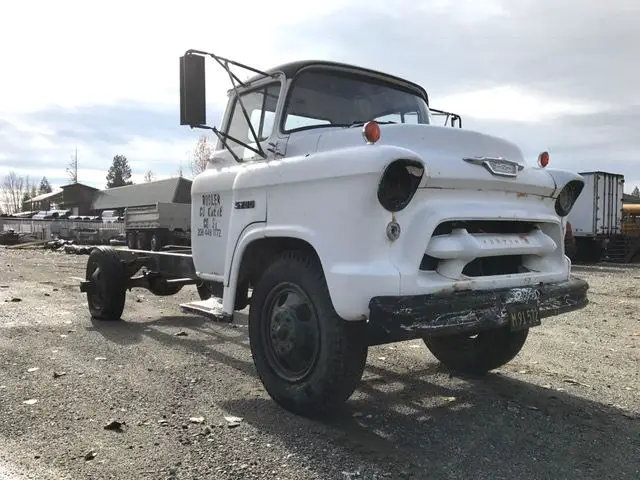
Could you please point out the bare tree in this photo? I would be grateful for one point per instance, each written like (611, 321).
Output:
(201, 155)
(14, 188)
(149, 176)
(72, 169)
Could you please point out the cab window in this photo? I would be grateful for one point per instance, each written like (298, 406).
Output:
(261, 106)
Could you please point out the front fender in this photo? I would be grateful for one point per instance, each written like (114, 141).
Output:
(561, 178)
(329, 200)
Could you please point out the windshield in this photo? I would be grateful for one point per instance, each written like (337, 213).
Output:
(325, 98)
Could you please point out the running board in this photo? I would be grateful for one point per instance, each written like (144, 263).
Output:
(210, 308)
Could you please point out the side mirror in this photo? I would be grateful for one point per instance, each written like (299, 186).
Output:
(193, 105)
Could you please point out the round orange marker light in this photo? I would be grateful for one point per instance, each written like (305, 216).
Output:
(371, 131)
(543, 159)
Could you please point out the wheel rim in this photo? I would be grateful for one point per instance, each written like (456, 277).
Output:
(290, 332)
(95, 296)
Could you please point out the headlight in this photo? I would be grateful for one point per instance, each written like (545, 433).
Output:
(568, 196)
(399, 183)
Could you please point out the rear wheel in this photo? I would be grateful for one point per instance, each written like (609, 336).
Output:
(477, 354)
(142, 240)
(107, 296)
(207, 289)
(157, 241)
(132, 241)
(161, 288)
(309, 359)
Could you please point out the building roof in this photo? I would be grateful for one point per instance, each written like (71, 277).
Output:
(44, 196)
(82, 185)
(176, 189)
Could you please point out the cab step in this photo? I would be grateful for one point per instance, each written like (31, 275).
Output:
(210, 308)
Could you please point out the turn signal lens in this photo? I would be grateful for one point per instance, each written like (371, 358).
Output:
(371, 131)
(543, 159)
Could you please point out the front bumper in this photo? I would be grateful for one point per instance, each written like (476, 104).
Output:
(404, 317)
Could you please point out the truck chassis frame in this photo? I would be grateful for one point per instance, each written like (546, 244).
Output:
(164, 273)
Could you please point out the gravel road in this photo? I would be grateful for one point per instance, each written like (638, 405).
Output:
(567, 407)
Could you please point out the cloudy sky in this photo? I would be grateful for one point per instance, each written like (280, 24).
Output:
(557, 75)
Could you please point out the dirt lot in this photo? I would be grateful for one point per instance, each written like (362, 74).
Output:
(566, 407)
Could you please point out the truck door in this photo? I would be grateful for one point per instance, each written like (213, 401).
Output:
(228, 198)
(211, 205)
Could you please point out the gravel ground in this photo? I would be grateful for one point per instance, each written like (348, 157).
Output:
(566, 407)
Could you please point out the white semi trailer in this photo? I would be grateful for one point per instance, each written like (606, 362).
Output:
(596, 217)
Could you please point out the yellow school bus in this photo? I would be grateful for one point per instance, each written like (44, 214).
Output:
(631, 219)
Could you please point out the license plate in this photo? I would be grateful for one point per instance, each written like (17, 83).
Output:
(523, 316)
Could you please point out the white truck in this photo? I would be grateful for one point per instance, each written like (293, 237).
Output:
(154, 226)
(345, 218)
(596, 217)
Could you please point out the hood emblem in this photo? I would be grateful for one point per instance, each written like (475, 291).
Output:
(497, 165)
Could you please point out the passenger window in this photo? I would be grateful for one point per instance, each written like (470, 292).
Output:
(411, 117)
(261, 106)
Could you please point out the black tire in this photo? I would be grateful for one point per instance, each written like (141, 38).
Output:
(142, 240)
(107, 300)
(161, 288)
(338, 348)
(477, 354)
(132, 241)
(157, 241)
(204, 292)
(208, 289)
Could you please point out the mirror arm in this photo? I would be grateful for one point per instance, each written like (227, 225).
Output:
(232, 62)
(232, 78)
(224, 63)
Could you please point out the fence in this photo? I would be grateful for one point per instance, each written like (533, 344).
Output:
(100, 232)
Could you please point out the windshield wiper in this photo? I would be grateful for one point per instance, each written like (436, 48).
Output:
(359, 123)
(335, 125)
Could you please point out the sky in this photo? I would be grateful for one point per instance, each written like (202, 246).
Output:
(556, 75)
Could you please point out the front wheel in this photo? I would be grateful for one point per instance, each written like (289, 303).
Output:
(308, 358)
(479, 353)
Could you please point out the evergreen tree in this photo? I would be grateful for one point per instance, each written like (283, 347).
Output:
(45, 187)
(119, 173)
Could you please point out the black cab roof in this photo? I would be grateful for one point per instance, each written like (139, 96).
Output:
(291, 69)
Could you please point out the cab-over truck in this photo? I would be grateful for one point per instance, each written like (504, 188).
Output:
(344, 217)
